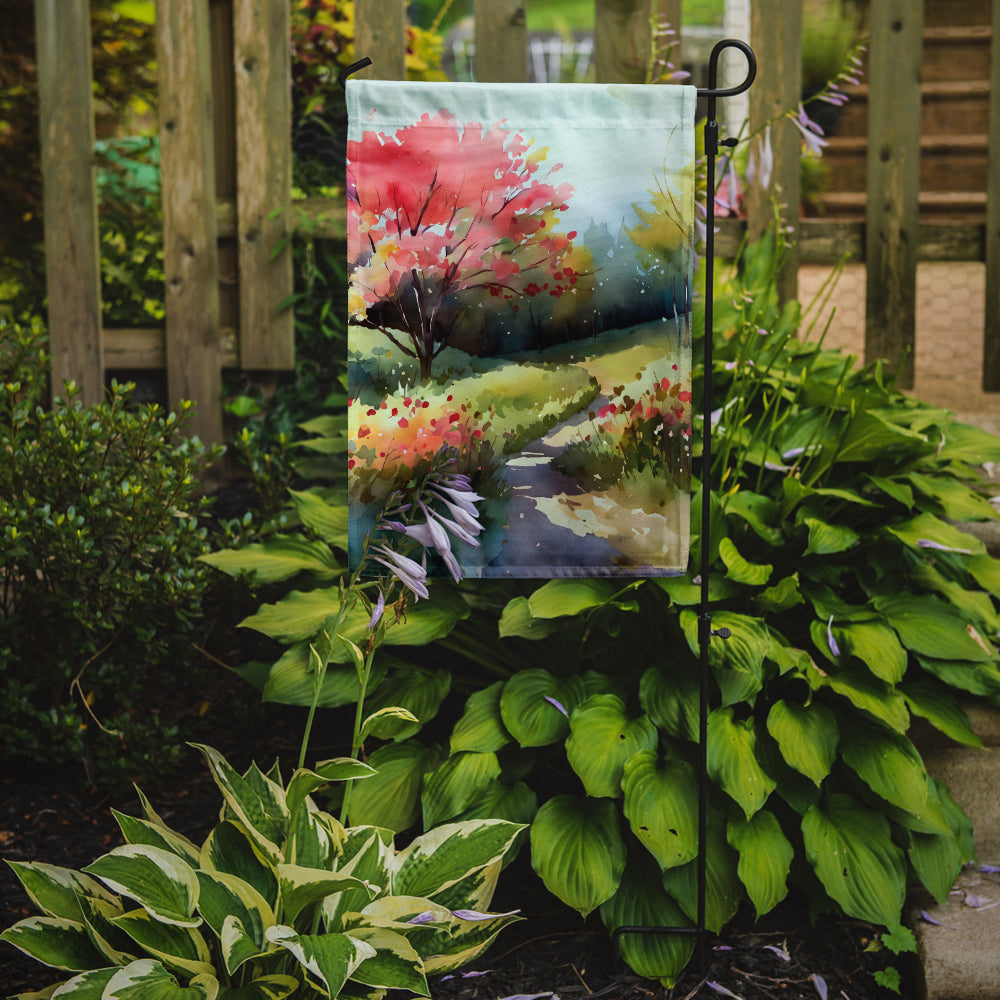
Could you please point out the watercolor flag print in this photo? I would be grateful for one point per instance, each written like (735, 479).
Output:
(521, 260)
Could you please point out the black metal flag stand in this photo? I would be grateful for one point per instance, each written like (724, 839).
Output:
(705, 630)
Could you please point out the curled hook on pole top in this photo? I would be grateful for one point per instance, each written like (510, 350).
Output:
(353, 68)
(712, 90)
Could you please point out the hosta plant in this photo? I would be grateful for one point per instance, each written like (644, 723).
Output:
(279, 900)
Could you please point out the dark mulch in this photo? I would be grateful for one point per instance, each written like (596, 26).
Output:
(551, 951)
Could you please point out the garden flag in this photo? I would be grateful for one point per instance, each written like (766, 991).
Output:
(521, 260)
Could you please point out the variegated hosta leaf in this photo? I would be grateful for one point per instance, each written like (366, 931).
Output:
(661, 799)
(367, 853)
(475, 891)
(535, 706)
(481, 727)
(765, 858)
(304, 782)
(256, 801)
(642, 902)
(441, 857)
(807, 736)
(55, 941)
(56, 891)
(141, 831)
(177, 947)
(732, 760)
(395, 964)
(723, 889)
(602, 737)
(329, 959)
(850, 847)
(578, 851)
(456, 784)
(468, 939)
(888, 763)
(274, 987)
(230, 849)
(116, 947)
(419, 691)
(158, 880)
(301, 887)
(86, 986)
(225, 897)
(147, 979)
(315, 838)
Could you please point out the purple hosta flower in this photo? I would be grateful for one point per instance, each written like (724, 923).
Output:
(928, 543)
(719, 988)
(760, 165)
(812, 134)
(427, 917)
(558, 705)
(820, 983)
(475, 915)
(780, 952)
(461, 533)
(831, 642)
(377, 611)
(990, 869)
(410, 573)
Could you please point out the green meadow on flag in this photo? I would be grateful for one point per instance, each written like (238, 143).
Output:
(521, 263)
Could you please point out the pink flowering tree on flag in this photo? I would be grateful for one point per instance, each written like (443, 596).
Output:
(449, 216)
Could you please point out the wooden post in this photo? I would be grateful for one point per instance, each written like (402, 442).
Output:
(501, 41)
(380, 34)
(776, 33)
(72, 256)
(991, 333)
(622, 40)
(893, 183)
(190, 254)
(261, 40)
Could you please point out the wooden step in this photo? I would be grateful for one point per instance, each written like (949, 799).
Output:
(946, 106)
(939, 13)
(957, 206)
(956, 53)
(947, 162)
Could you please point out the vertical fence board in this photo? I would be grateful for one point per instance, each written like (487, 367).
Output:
(72, 257)
(893, 183)
(380, 34)
(991, 333)
(261, 42)
(190, 254)
(622, 40)
(776, 34)
(501, 41)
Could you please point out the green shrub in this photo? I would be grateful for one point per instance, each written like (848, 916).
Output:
(99, 542)
(279, 900)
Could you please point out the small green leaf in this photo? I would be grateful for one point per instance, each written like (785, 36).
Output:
(281, 557)
(741, 571)
(732, 760)
(560, 598)
(327, 520)
(518, 621)
(828, 539)
(417, 690)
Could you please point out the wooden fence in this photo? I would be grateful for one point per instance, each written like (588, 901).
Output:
(226, 161)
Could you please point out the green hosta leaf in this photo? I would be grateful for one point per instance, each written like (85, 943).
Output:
(683, 592)
(456, 784)
(976, 678)
(142, 831)
(147, 979)
(260, 809)
(738, 661)
(417, 690)
(226, 898)
(301, 887)
(517, 620)
(230, 849)
(56, 891)
(671, 700)
(54, 941)
(291, 680)
(931, 628)
(180, 948)
(274, 987)
(516, 803)
(876, 646)
(870, 436)
(391, 798)
(760, 512)
(965, 443)
(941, 709)
(807, 736)
(530, 706)
(783, 595)
(893, 488)
(602, 738)
(661, 798)
(827, 539)
(888, 763)
(279, 558)
(559, 598)
(732, 760)
(481, 728)
(866, 692)
(330, 959)
(723, 889)
(850, 848)
(441, 857)
(160, 882)
(928, 528)
(578, 851)
(937, 858)
(327, 520)
(765, 858)
(986, 572)
(957, 501)
(641, 901)
(739, 569)
(975, 605)
(395, 964)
